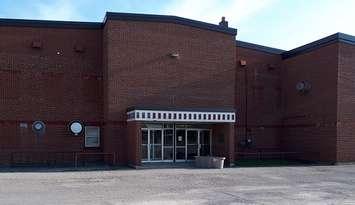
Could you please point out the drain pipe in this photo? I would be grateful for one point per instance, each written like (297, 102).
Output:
(243, 64)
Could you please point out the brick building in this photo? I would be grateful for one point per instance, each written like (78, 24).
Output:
(145, 88)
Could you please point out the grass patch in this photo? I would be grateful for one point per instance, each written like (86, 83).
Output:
(265, 163)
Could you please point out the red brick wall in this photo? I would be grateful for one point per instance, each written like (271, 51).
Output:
(310, 119)
(38, 84)
(263, 95)
(140, 71)
(346, 103)
(223, 142)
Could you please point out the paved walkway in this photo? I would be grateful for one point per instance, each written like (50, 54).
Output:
(272, 185)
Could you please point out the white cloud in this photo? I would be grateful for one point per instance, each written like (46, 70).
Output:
(58, 10)
(212, 10)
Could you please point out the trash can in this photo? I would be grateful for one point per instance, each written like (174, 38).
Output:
(209, 162)
(218, 162)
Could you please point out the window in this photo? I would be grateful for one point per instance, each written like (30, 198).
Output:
(92, 136)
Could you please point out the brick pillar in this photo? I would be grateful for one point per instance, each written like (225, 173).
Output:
(223, 144)
(133, 143)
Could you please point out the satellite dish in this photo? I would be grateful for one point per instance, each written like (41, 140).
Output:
(38, 127)
(76, 127)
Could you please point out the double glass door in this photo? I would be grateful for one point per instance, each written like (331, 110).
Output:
(181, 145)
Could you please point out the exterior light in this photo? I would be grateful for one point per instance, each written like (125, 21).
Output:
(242, 62)
(175, 55)
(303, 86)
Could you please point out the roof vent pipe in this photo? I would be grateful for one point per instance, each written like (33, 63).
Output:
(223, 22)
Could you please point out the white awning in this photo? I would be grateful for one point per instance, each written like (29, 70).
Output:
(180, 116)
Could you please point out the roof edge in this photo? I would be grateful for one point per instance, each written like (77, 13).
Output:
(168, 19)
(337, 37)
(49, 23)
(258, 47)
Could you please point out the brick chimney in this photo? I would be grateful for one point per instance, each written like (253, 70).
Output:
(223, 22)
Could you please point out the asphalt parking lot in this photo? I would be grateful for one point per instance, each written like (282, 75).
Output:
(261, 185)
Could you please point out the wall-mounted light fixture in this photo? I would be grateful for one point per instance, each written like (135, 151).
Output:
(303, 86)
(79, 48)
(174, 55)
(242, 62)
(36, 44)
(271, 66)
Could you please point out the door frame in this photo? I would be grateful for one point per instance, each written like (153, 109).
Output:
(162, 145)
(198, 142)
(174, 143)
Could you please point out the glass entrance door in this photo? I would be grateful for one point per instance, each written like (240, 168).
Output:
(180, 144)
(192, 144)
(152, 143)
(168, 142)
(160, 144)
(205, 143)
(155, 141)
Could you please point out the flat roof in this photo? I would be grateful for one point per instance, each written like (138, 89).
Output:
(117, 16)
(257, 47)
(49, 23)
(168, 19)
(337, 37)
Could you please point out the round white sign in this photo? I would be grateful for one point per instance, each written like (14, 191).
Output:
(76, 128)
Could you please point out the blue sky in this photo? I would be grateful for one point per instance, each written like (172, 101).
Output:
(284, 24)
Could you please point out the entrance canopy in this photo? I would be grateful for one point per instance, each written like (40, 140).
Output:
(183, 115)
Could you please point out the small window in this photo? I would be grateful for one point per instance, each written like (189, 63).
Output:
(190, 116)
(153, 115)
(148, 115)
(92, 136)
(164, 116)
(232, 117)
(143, 115)
(159, 115)
(137, 115)
(169, 115)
